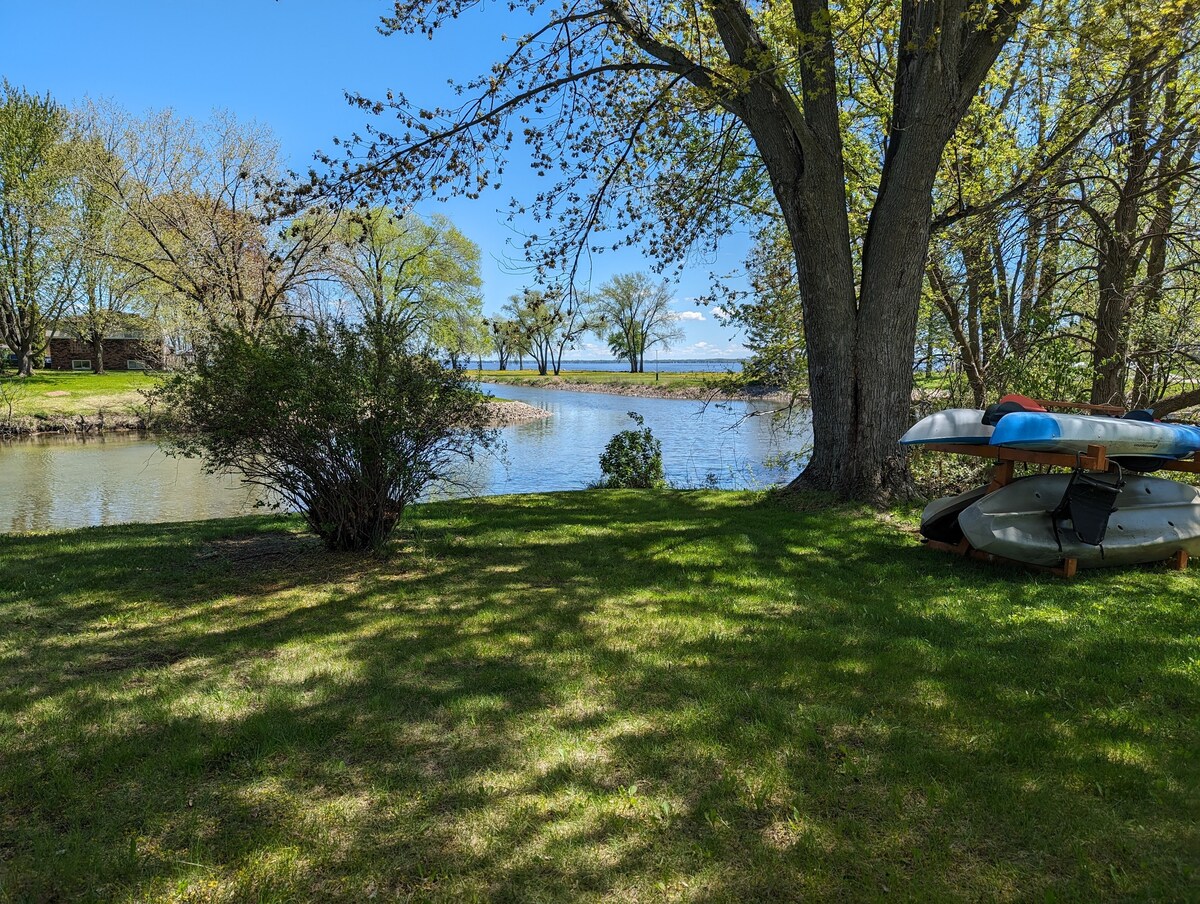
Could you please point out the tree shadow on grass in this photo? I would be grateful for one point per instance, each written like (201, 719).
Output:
(675, 695)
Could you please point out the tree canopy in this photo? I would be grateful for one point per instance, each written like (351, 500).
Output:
(37, 171)
(416, 278)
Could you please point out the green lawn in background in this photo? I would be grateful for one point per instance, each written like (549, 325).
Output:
(677, 380)
(115, 392)
(696, 696)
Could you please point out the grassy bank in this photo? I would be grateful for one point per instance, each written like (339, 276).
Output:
(52, 393)
(683, 380)
(638, 696)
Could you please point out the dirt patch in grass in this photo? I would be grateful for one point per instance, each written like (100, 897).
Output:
(273, 549)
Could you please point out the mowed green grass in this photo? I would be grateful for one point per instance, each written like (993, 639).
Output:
(694, 696)
(116, 392)
(675, 380)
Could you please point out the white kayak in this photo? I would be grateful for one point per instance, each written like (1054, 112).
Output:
(952, 425)
(1153, 519)
(1045, 432)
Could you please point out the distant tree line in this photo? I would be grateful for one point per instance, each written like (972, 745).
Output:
(631, 313)
(108, 220)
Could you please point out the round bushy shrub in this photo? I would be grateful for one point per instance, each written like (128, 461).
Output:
(632, 459)
(340, 423)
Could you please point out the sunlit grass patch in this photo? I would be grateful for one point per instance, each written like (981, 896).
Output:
(622, 695)
(48, 393)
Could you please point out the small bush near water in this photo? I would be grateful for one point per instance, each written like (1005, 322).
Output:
(632, 459)
(340, 423)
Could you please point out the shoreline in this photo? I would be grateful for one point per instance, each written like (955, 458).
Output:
(502, 414)
(73, 424)
(505, 413)
(648, 390)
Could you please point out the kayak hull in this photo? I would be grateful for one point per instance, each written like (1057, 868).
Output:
(939, 520)
(1154, 519)
(952, 425)
(1073, 433)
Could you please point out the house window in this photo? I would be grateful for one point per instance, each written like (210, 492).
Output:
(81, 364)
(134, 364)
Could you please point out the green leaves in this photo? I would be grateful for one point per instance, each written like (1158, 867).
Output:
(342, 423)
(633, 459)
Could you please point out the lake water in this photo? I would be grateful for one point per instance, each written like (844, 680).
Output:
(62, 482)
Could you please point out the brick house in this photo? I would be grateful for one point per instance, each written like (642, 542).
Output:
(123, 350)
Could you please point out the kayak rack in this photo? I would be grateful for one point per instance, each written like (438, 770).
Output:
(1095, 458)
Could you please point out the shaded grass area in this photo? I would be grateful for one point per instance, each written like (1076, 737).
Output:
(696, 696)
(674, 380)
(87, 393)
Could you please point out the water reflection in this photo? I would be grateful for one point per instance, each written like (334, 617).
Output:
(53, 483)
(731, 442)
(60, 482)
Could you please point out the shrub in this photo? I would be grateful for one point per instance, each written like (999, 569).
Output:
(632, 459)
(345, 429)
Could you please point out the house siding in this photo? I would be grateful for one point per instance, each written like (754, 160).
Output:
(116, 353)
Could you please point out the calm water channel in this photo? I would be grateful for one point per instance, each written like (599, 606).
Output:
(53, 483)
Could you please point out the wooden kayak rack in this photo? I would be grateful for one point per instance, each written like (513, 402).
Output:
(1095, 458)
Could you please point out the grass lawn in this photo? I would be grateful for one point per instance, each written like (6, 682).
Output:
(681, 380)
(87, 393)
(694, 696)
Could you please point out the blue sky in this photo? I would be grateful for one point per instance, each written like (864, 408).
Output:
(286, 64)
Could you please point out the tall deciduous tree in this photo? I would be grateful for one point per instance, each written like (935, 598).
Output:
(199, 203)
(108, 289)
(507, 340)
(633, 313)
(413, 278)
(549, 324)
(38, 271)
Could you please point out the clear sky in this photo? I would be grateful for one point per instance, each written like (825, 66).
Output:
(286, 64)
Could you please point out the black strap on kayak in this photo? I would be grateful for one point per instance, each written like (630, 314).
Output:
(993, 413)
(1141, 414)
(1088, 503)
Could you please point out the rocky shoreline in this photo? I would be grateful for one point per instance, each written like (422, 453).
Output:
(507, 413)
(501, 414)
(76, 424)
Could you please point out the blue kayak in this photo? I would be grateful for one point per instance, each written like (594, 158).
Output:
(1038, 431)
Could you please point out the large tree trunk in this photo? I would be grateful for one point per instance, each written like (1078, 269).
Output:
(894, 258)
(97, 338)
(860, 345)
(1118, 262)
(25, 357)
(1111, 351)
